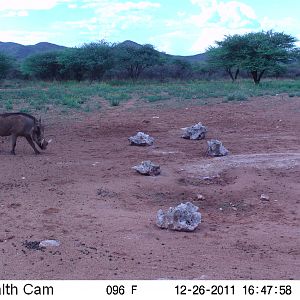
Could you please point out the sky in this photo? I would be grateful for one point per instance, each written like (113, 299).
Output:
(181, 27)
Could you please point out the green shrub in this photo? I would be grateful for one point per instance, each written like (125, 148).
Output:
(230, 98)
(236, 97)
(8, 105)
(154, 98)
(118, 82)
(115, 99)
(114, 102)
(25, 110)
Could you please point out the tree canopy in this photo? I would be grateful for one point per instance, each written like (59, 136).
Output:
(227, 55)
(6, 63)
(42, 66)
(135, 59)
(98, 59)
(254, 52)
(91, 61)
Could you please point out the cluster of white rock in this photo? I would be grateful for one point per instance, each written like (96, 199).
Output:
(185, 216)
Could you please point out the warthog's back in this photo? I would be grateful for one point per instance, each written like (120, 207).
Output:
(19, 124)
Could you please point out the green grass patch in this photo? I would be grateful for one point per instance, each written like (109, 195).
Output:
(154, 98)
(64, 96)
(235, 97)
(114, 102)
(115, 99)
(8, 105)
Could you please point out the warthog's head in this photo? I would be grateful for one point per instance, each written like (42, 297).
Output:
(38, 135)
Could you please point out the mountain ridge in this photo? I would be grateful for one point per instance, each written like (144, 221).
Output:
(20, 52)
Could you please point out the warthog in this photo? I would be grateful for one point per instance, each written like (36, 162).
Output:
(21, 124)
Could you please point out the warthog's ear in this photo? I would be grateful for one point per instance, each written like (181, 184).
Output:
(40, 120)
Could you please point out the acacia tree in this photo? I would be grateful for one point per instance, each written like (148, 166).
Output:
(6, 63)
(98, 59)
(266, 51)
(42, 66)
(255, 52)
(181, 68)
(135, 59)
(73, 64)
(226, 55)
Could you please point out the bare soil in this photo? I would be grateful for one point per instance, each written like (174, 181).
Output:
(83, 192)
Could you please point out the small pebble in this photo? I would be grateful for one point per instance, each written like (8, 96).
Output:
(49, 243)
(200, 197)
(264, 197)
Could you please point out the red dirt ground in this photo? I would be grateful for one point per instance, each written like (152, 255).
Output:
(83, 192)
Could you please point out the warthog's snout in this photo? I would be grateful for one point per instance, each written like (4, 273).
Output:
(45, 143)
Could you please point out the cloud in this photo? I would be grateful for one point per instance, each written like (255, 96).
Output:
(72, 6)
(114, 7)
(111, 17)
(167, 42)
(24, 5)
(21, 13)
(89, 24)
(27, 37)
(230, 14)
(211, 20)
(234, 9)
(279, 24)
(117, 12)
(208, 36)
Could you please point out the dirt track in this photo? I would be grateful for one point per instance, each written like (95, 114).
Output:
(83, 192)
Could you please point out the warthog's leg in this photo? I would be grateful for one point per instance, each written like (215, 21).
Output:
(31, 143)
(13, 144)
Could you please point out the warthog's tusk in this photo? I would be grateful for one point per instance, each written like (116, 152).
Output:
(49, 141)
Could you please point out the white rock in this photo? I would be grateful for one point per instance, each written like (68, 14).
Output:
(264, 197)
(195, 132)
(216, 148)
(148, 168)
(141, 139)
(184, 217)
(49, 243)
(200, 197)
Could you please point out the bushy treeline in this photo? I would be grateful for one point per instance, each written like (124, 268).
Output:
(99, 61)
(92, 61)
(253, 54)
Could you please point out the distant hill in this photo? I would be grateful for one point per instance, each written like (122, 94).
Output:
(20, 52)
(129, 43)
(190, 58)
